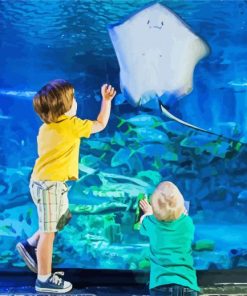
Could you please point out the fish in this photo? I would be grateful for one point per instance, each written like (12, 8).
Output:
(148, 135)
(152, 150)
(147, 120)
(161, 151)
(119, 139)
(97, 145)
(150, 176)
(202, 143)
(121, 156)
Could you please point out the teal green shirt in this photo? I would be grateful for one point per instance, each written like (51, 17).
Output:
(171, 260)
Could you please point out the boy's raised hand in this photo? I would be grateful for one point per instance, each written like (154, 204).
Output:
(146, 207)
(108, 92)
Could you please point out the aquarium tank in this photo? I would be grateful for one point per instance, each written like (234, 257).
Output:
(69, 39)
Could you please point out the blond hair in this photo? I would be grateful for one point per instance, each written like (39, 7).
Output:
(167, 202)
(53, 100)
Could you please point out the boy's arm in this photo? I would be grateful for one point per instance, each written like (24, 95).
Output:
(143, 216)
(146, 208)
(108, 93)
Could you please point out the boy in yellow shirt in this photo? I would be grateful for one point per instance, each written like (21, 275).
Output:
(58, 150)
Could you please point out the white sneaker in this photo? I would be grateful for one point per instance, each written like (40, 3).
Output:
(54, 284)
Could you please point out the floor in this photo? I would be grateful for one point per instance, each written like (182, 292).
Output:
(122, 291)
(23, 284)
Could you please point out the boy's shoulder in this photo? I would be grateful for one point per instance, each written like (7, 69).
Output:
(182, 220)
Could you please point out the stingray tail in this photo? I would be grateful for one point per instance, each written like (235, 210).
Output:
(237, 145)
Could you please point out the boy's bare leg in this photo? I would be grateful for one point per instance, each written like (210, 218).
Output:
(44, 252)
(33, 240)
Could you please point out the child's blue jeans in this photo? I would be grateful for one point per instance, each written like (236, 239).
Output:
(172, 290)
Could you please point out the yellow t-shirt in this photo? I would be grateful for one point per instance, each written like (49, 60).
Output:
(58, 149)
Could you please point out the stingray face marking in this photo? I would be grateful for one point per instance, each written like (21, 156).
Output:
(158, 26)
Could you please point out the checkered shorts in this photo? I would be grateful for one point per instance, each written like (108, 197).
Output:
(51, 200)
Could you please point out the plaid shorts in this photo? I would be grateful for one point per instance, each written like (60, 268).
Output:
(51, 200)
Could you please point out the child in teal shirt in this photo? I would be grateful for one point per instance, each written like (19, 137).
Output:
(170, 232)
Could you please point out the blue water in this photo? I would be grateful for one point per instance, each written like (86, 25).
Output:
(43, 40)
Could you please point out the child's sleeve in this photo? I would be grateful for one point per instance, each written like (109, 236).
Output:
(82, 127)
(145, 226)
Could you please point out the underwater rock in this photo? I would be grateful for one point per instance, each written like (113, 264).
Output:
(112, 231)
(103, 208)
(219, 193)
(57, 258)
(122, 177)
(208, 171)
(238, 257)
(89, 180)
(117, 189)
(204, 245)
(199, 217)
(211, 260)
(213, 266)
(203, 192)
(3, 187)
(185, 173)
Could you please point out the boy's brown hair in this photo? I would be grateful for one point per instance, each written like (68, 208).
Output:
(53, 100)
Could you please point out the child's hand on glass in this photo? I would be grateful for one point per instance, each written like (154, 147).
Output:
(108, 92)
(146, 207)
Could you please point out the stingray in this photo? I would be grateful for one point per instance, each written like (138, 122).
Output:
(157, 54)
